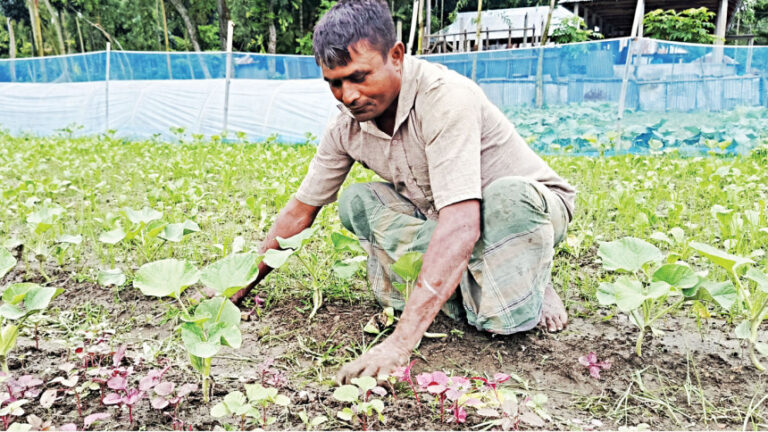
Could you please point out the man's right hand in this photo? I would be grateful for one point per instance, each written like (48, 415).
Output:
(292, 219)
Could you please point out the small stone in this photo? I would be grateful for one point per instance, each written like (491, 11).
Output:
(305, 397)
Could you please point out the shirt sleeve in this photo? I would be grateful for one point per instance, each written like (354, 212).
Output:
(327, 171)
(451, 128)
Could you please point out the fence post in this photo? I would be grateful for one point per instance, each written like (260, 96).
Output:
(525, 31)
(106, 90)
(637, 30)
(230, 28)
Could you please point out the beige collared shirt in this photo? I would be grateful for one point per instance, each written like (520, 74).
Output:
(449, 143)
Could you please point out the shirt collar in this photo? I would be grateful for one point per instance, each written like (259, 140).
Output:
(405, 100)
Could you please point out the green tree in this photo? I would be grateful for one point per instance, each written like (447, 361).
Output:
(690, 25)
(573, 29)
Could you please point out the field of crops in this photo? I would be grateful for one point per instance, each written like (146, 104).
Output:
(106, 246)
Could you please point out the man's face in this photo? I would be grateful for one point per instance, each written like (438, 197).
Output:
(368, 84)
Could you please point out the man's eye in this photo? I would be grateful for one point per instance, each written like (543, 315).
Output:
(335, 83)
(357, 79)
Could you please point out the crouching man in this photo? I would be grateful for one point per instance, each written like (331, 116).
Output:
(461, 186)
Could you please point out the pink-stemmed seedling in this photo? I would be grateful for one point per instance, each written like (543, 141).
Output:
(403, 374)
(435, 383)
(590, 362)
(167, 394)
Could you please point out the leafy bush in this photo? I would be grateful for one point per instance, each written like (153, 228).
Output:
(690, 25)
(573, 29)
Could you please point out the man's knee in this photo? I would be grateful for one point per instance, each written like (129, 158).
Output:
(353, 208)
(512, 205)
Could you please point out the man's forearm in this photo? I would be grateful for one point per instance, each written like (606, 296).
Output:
(444, 263)
(292, 219)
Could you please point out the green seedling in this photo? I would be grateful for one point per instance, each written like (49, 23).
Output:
(346, 268)
(41, 223)
(215, 322)
(7, 262)
(362, 407)
(752, 298)
(295, 246)
(644, 293)
(253, 404)
(20, 301)
(312, 423)
(151, 233)
(408, 267)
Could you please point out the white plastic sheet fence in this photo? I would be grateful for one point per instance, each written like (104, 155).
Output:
(150, 93)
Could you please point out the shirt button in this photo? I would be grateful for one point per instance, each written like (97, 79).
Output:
(429, 212)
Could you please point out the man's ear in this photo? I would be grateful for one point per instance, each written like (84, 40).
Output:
(397, 54)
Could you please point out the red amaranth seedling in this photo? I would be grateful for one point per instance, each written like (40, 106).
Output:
(590, 362)
(403, 374)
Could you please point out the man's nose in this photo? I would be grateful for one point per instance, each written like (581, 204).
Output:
(349, 94)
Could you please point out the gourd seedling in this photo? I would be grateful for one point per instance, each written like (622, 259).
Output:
(754, 301)
(20, 301)
(293, 246)
(644, 292)
(216, 321)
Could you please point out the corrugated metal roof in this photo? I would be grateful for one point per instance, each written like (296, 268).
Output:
(501, 20)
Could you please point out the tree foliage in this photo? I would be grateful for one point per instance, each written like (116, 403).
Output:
(690, 25)
(573, 30)
(279, 26)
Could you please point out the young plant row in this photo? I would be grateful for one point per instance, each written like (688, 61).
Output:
(650, 287)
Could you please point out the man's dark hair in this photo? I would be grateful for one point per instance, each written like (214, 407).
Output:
(349, 22)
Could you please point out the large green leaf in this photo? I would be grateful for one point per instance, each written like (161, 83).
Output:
(343, 243)
(194, 341)
(626, 293)
(109, 277)
(276, 258)
(38, 298)
(629, 254)
(226, 334)
(71, 239)
(722, 258)
(210, 308)
(759, 278)
(346, 393)
(7, 262)
(145, 215)
(176, 232)
(15, 293)
(408, 266)
(11, 312)
(723, 293)
(229, 274)
(297, 241)
(256, 392)
(112, 237)
(679, 276)
(8, 336)
(168, 277)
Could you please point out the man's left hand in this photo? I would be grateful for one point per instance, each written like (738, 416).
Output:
(382, 359)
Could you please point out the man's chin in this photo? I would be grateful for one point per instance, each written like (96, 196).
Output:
(364, 116)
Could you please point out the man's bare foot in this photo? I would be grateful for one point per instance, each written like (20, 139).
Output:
(553, 315)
